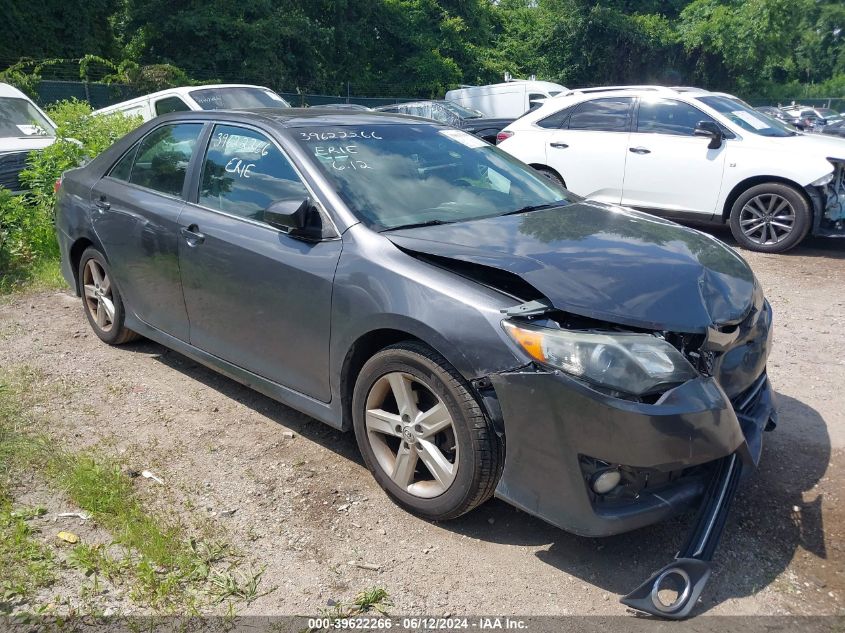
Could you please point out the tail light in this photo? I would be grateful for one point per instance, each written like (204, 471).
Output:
(503, 136)
(57, 184)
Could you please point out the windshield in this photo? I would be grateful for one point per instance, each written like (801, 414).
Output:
(830, 116)
(20, 119)
(237, 98)
(461, 111)
(741, 114)
(392, 176)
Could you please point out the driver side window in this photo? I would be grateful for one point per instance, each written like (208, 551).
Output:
(243, 173)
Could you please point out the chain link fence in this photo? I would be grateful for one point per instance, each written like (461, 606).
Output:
(100, 95)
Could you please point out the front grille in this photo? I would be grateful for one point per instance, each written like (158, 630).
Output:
(11, 166)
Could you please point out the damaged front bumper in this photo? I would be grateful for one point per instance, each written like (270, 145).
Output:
(563, 433)
(598, 465)
(829, 202)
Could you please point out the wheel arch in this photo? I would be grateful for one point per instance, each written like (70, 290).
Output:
(744, 185)
(360, 351)
(542, 167)
(75, 256)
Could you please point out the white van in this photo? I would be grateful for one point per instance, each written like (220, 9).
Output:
(24, 127)
(510, 99)
(212, 97)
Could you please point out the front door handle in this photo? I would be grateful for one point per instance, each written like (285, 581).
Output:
(192, 235)
(639, 150)
(559, 145)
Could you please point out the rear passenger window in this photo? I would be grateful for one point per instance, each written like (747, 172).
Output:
(123, 167)
(605, 115)
(556, 121)
(170, 104)
(667, 116)
(244, 173)
(163, 156)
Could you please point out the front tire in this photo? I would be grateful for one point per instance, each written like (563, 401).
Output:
(101, 299)
(770, 218)
(422, 433)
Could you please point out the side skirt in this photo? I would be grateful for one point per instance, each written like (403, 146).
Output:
(322, 411)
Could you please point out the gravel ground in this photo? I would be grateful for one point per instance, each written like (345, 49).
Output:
(295, 495)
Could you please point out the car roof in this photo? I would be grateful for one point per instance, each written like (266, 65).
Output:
(675, 90)
(299, 117)
(179, 90)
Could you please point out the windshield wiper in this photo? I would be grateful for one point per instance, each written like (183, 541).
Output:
(415, 225)
(536, 207)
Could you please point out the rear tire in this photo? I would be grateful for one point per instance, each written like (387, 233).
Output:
(552, 175)
(430, 448)
(770, 218)
(101, 299)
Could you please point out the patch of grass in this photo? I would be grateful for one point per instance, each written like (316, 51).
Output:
(25, 563)
(236, 585)
(43, 274)
(366, 601)
(161, 564)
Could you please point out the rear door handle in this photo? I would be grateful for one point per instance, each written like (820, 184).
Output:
(639, 150)
(559, 145)
(192, 235)
(102, 204)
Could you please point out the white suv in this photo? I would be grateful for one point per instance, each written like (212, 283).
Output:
(688, 153)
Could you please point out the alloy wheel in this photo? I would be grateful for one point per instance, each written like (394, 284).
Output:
(412, 435)
(767, 219)
(97, 291)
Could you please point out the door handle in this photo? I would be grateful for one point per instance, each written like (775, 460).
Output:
(639, 150)
(192, 235)
(102, 204)
(559, 145)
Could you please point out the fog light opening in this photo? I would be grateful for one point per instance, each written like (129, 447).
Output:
(606, 480)
(671, 590)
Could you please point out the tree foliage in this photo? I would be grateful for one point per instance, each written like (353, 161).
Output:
(423, 47)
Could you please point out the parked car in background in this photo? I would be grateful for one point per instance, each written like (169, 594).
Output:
(452, 114)
(510, 99)
(689, 153)
(211, 97)
(407, 281)
(782, 116)
(812, 117)
(24, 127)
(835, 129)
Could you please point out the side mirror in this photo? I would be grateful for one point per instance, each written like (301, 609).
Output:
(288, 215)
(712, 131)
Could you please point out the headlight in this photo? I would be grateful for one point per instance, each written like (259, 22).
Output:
(821, 182)
(632, 363)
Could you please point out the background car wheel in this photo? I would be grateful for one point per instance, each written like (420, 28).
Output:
(101, 299)
(770, 218)
(422, 433)
(552, 175)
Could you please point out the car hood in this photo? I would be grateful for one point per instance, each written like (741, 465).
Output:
(603, 262)
(812, 143)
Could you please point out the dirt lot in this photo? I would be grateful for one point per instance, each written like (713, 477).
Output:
(307, 510)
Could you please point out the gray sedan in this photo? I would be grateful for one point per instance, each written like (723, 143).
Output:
(482, 330)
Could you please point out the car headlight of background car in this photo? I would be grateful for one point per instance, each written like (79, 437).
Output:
(636, 364)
